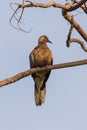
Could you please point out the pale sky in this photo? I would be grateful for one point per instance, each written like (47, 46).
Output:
(65, 107)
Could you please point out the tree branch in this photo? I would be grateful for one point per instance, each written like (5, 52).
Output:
(70, 40)
(20, 7)
(77, 5)
(66, 8)
(79, 42)
(83, 6)
(71, 7)
(69, 36)
(33, 70)
(75, 24)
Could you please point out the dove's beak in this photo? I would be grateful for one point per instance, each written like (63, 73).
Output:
(49, 41)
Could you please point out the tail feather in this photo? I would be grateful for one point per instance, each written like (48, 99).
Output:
(40, 96)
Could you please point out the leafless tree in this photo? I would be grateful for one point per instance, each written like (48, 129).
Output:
(65, 9)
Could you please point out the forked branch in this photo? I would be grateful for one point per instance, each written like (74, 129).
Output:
(66, 8)
(75, 40)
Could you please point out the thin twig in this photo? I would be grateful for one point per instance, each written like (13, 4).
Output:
(79, 42)
(69, 36)
(18, 20)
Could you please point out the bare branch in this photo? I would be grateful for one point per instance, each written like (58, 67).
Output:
(16, 17)
(45, 5)
(83, 6)
(33, 70)
(78, 5)
(79, 42)
(70, 6)
(69, 36)
(74, 23)
(67, 7)
(70, 40)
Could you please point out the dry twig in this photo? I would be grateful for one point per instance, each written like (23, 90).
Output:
(69, 36)
(79, 42)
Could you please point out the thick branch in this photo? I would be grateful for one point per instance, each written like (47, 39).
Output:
(41, 5)
(74, 23)
(71, 7)
(31, 71)
(83, 6)
(76, 6)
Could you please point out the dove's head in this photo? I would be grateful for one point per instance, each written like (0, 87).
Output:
(43, 39)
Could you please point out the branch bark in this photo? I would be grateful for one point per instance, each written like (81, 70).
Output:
(70, 40)
(75, 40)
(69, 7)
(78, 5)
(31, 71)
(83, 6)
(75, 24)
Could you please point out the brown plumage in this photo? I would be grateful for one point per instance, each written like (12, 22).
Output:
(39, 57)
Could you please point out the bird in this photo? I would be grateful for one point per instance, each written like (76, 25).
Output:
(41, 56)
